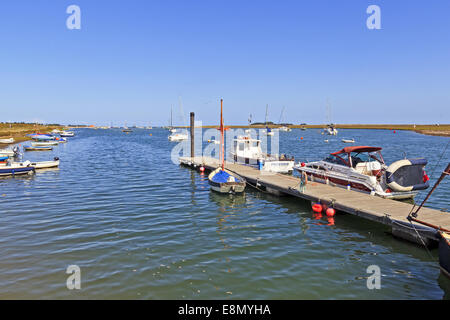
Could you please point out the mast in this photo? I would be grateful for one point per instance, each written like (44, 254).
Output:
(267, 107)
(170, 116)
(222, 129)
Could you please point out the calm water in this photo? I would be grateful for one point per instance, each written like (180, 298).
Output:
(140, 227)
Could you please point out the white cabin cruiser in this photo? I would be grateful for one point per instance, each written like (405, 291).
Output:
(247, 150)
(362, 168)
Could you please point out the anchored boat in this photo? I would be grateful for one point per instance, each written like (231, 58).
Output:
(178, 136)
(13, 169)
(362, 168)
(37, 148)
(248, 151)
(44, 143)
(222, 180)
(40, 164)
(7, 140)
(67, 134)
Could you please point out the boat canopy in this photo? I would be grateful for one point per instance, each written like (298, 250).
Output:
(357, 149)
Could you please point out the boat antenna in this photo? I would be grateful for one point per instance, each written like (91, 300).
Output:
(444, 173)
(222, 129)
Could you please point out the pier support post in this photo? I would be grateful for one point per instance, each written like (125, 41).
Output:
(192, 134)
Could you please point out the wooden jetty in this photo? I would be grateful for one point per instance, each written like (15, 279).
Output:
(388, 212)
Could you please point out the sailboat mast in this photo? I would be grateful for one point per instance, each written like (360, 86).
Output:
(222, 134)
(267, 107)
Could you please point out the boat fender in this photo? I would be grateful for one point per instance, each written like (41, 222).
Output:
(395, 185)
(317, 207)
(330, 212)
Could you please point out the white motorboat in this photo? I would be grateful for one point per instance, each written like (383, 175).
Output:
(44, 143)
(178, 136)
(67, 134)
(40, 164)
(348, 140)
(362, 168)
(247, 150)
(7, 140)
(285, 129)
(12, 169)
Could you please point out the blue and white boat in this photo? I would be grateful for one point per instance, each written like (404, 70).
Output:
(13, 169)
(222, 180)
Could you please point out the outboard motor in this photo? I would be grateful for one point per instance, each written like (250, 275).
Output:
(407, 175)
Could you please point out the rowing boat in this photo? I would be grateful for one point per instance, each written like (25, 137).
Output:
(37, 148)
(13, 169)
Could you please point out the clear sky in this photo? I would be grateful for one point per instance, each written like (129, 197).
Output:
(131, 60)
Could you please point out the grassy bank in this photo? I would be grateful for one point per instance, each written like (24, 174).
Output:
(18, 131)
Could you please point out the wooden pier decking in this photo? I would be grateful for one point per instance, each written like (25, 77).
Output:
(388, 212)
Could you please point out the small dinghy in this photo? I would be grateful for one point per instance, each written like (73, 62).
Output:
(6, 141)
(44, 144)
(67, 134)
(222, 180)
(37, 148)
(348, 140)
(13, 169)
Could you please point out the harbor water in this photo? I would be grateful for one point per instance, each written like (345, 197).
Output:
(141, 227)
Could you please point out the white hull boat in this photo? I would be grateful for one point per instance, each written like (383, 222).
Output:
(7, 141)
(247, 150)
(10, 152)
(44, 144)
(67, 134)
(40, 164)
(348, 140)
(362, 168)
(178, 136)
(13, 169)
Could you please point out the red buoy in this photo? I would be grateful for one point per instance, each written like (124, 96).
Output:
(330, 212)
(317, 207)
(202, 169)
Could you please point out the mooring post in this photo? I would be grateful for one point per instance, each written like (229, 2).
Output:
(192, 134)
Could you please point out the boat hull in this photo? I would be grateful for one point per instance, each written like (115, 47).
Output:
(226, 187)
(279, 166)
(444, 253)
(355, 185)
(13, 171)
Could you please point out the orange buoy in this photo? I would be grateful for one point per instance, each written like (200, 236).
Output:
(330, 212)
(317, 207)
(301, 138)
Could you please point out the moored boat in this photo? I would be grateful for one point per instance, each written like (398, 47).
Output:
(44, 143)
(178, 136)
(7, 140)
(67, 134)
(13, 169)
(41, 164)
(37, 148)
(14, 152)
(444, 253)
(222, 180)
(247, 150)
(348, 140)
(362, 168)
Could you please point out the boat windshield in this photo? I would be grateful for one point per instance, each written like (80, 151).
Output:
(333, 159)
(363, 157)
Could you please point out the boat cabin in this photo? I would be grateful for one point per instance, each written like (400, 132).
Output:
(247, 147)
(364, 159)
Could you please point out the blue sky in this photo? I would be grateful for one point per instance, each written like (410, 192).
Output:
(132, 60)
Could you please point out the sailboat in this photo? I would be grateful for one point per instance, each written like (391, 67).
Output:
(171, 128)
(269, 131)
(283, 127)
(222, 180)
